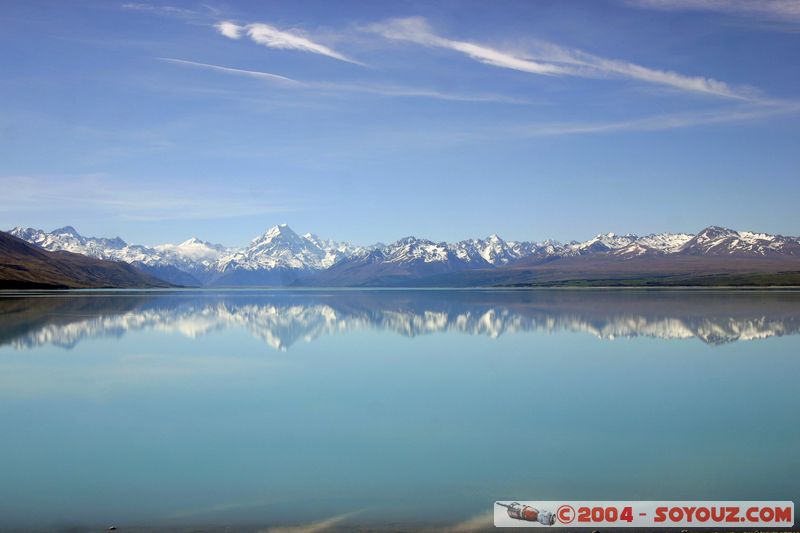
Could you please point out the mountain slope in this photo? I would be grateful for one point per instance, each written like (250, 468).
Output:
(25, 266)
(642, 270)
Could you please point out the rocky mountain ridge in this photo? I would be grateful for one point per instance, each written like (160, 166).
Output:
(282, 257)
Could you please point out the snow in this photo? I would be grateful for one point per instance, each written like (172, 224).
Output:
(193, 249)
(665, 242)
(281, 248)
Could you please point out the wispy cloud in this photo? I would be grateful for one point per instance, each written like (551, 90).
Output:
(355, 87)
(272, 37)
(417, 30)
(160, 9)
(479, 134)
(200, 15)
(554, 60)
(776, 10)
(662, 122)
(230, 70)
(656, 122)
(101, 195)
(592, 65)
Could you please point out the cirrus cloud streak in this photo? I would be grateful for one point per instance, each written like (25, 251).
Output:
(355, 87)
(554, 60)
(272, 37)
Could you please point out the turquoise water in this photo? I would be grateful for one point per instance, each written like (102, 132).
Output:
(255, 409)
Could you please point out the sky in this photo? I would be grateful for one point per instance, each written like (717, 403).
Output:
(370, 121)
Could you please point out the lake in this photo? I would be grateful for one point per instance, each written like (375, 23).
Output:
(402, 409)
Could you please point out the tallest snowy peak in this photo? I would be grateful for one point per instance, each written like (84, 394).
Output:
(282, 238)
(716, 231)
(280, 229)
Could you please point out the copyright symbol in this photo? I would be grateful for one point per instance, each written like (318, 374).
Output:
(565, 514)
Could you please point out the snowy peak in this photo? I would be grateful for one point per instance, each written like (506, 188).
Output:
(603, 242)
(282, 235)
(665, 242)
(496, 251)
(715, 232)
(492, 250)
(279, 248)
(317, 240)
(192, 250)
(67, 230)
(334, 250)
(67, 238)
(715, 240)
(411, 249)
(653, 244)
(194, 242)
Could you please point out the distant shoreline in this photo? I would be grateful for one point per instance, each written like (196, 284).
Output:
(588, 288)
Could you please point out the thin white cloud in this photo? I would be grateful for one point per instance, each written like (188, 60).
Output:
(230, 70)
(778, 10)
(100, 195)
(503, 133)
(366, 88)
(664, 122)
(159, 9)
(417, 30)
(554, 60)
(593, 65)
(199, 15)
(412, 92)
(272, 37)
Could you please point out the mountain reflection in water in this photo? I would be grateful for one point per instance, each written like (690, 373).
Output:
(282, 318)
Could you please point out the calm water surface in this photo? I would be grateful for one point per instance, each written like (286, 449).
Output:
(399, 408)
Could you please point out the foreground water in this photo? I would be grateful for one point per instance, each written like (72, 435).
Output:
(256, 409)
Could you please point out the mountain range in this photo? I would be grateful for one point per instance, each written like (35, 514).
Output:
(27, 266)
(281, 257)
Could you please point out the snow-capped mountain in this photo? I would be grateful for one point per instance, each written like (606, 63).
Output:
(406, 258)
(333, 250)
(282, 257)
(665, 242)
(281, 248)
(411, 250)
(715, 240)
(601, 243)
(493, 250)
(278, 257)
(182, 264)
(194, 249)
(68, 239)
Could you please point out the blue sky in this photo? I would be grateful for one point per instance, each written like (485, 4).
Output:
(369, 121)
